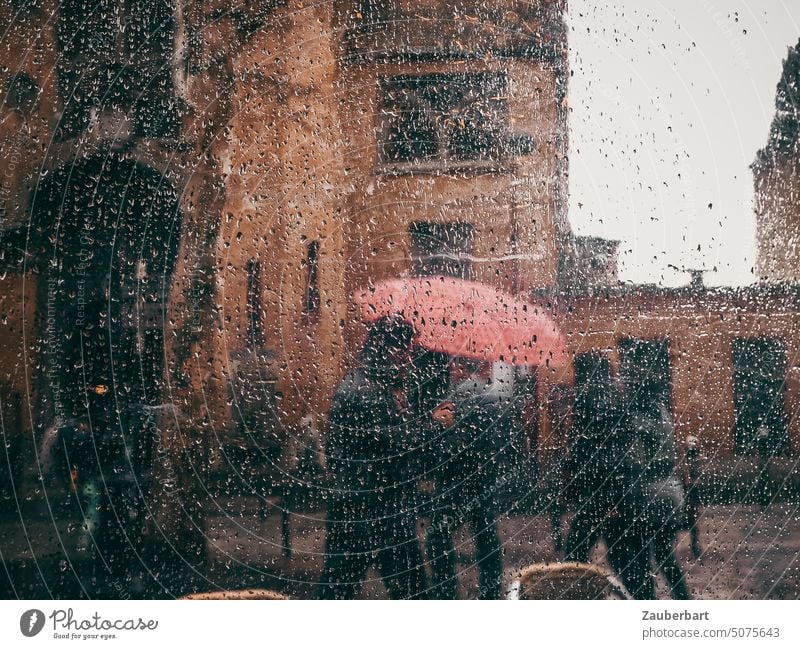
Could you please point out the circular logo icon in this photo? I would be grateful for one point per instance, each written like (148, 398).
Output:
(31, 622)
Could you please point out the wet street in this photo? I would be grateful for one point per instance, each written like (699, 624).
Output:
(748, 553)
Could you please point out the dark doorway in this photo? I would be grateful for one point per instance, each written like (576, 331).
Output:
(759, 372)
(646, 362)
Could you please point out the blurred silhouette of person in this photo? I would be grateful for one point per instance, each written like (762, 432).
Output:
(301, 469)
(554, 505)
(466, 481)
(623, 470)
(653, 508)
(553, 481)
(594, 454)
(763, 484)
(692, 474)
(371, 515)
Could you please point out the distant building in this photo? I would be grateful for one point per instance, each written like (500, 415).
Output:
(727, 357)
(776, 173)
(587, 262)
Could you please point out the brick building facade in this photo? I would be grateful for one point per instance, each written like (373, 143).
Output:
(284, 155)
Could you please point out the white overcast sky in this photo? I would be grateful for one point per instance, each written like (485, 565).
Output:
(669, 103)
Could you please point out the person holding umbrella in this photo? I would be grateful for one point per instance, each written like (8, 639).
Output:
(466, 320)
(370, 446)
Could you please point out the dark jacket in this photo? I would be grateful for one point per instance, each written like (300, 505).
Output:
(655, 491)
(369, 444)
(469, 452)
(597, 446)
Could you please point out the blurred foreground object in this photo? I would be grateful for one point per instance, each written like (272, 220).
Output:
(573, 580)
(248, 593)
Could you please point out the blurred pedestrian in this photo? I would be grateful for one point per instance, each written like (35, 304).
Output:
(763, 485)
(653, 508)
(553, 474)
(371, 516)
(301, 473)
(594, 454)
(471, 421)
(691, 478)
(553, 498)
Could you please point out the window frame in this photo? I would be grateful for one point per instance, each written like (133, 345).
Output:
(443, 164)
(436, 255)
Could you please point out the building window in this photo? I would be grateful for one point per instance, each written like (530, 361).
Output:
(255, 333)
(759, 373)
(117, 57)
(443, 120)
(441, 248)
(312, 301)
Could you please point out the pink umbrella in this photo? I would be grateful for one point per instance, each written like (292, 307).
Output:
(468, 319)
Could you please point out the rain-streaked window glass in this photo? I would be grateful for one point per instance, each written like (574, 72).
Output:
(365, 299)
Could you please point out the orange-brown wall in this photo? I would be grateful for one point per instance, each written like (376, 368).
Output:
(701, 327)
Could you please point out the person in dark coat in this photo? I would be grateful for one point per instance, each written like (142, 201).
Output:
(763, 487)
(593, 460)
(653, 509)
(371, 515)
(466, 482)
(690, 483)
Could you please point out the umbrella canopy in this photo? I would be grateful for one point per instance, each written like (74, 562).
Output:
(468, 319)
